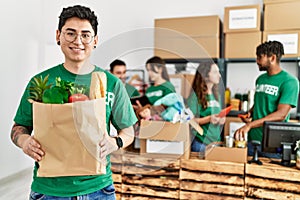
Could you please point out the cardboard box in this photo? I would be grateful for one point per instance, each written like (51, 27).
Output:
(185, 47)
(170, 135)
(281, 15)
(242, 45)
(186, 38)
(192, 26)
(217, 153)
(227, 124)
(242, 18)
(182, 83)
(276, 1)
(289, 39)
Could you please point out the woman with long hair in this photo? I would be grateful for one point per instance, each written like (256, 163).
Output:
(204, 102)
(160, 84)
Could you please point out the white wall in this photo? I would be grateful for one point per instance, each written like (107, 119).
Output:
(19, 38)
(28, 46)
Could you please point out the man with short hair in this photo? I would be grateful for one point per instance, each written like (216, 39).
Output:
(275, 94)
(77, 37)
(118, 68)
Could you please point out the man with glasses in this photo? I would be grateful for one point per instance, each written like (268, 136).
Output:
(77, 37)
(118, 68)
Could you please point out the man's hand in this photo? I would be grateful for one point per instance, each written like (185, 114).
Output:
(20, 136)
(239, 134)
(137, 106)
(108, 145)
(31, 147)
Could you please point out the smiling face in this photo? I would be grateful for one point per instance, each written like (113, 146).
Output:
(76, 51)
(146, 113)
(120, 72)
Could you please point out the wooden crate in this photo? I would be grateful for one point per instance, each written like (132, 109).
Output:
(272, 181)
(116, 168)
(150, 176)
(203, 179)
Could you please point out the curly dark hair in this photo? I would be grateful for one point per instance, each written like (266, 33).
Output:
(199, 85)
(78, 11)
(270, 48)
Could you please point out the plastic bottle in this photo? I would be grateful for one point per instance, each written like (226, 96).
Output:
(227, 96)
(250, 98)
(244, 106)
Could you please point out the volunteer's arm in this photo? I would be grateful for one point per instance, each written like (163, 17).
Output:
(279, 115)
(108, 144)
(214, 119)
(21, 137)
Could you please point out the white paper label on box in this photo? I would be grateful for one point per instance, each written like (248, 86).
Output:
(244, 18)
(167, 147)
(289, 41)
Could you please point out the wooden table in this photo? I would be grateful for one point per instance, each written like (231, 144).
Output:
(155, 176)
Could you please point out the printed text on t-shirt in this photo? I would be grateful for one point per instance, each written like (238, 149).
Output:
(268, 89)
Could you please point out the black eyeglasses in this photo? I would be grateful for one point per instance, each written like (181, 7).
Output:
(86, 38)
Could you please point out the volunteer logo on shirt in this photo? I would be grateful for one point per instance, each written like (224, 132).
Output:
(110, 97)
(155, 94)
(268, 89)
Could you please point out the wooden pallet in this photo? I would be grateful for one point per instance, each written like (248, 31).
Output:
(150, 176)
(272, 181)
(116, 168)
(202, 179)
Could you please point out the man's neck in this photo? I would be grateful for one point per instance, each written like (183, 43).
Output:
(79, 68)
(275, 69)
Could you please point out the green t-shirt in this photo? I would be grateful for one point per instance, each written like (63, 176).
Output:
(211, 132)
(131, 91)
(118, 110)
(270, 91)
(156, 92)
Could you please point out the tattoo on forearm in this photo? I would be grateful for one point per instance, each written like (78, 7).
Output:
(18, 130)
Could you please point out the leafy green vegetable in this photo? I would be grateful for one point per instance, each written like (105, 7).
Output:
(44, 92)
(54, 95)
(38, 86)
(79, 89)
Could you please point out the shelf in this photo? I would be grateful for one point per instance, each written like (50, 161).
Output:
(196, 60)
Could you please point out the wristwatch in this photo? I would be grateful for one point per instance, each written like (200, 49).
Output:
(119, 142)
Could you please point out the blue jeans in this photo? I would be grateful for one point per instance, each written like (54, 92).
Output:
(197, 146)
(107, 193)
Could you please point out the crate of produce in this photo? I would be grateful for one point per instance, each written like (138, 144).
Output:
(150, 176)
(272, 181)
(204, 179)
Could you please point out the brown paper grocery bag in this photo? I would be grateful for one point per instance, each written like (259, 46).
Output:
(70, 134)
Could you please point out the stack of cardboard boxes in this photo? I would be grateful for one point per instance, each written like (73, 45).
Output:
(281, 23)
(188, 37)
(242, 28)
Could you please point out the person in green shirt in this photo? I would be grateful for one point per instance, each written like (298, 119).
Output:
(77, 37)
(276, 93)
(205, 104)
(160, 84)
(118, 68)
